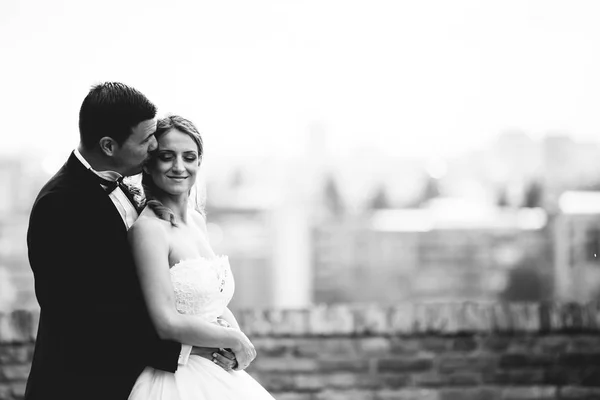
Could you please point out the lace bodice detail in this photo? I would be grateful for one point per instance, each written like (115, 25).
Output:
(203, 286)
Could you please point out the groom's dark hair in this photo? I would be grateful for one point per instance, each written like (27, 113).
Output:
(112, 109)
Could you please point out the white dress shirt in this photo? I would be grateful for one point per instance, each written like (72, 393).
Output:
(129, 215)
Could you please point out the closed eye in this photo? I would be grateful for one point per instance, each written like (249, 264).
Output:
(165, 156)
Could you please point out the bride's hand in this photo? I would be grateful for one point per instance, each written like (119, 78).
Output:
(244, 351)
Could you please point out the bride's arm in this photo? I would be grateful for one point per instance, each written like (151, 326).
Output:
(150, 251)
(230, 318)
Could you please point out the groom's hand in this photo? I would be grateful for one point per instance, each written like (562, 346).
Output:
(225, 358)
(222, 357)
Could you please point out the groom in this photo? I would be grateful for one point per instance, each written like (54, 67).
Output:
(95, 335)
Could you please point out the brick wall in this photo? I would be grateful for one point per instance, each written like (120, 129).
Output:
(412, 351)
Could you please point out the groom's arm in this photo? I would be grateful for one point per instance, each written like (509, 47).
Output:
(222, 357)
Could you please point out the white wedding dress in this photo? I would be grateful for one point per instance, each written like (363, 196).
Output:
(203, 287)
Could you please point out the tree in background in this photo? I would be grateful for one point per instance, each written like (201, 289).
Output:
(380, 199)
(534, 195)
(332, 199)
(237, 179)
(502, 197)
(526, 282)
(430, 190)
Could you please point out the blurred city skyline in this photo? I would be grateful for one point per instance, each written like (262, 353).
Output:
(423, 79)
(419, 149)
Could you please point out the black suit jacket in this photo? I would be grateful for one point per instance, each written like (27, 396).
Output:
(95, 335)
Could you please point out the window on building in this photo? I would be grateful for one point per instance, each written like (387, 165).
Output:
(592, 245)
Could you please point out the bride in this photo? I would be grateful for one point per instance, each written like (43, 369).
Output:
(185, 285)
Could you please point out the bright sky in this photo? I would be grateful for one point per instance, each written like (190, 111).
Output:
(399, 76)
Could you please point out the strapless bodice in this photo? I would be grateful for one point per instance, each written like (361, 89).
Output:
(203, 286)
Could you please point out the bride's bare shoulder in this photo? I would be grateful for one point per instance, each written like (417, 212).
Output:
(148, 225)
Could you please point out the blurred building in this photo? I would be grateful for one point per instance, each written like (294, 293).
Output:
(569, 166)
(424, 255)
(20, 179)
(243, 235)
(267, 239)
(468, 246)
(577, 247)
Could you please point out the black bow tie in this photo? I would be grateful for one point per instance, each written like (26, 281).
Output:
(129, 191)
(110, 186)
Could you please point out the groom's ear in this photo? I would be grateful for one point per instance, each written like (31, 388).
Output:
(107, 145)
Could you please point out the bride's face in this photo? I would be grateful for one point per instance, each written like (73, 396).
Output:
(176, 163)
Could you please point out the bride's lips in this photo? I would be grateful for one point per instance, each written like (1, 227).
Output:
(177, 178)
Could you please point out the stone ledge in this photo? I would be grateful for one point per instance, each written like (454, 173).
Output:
(417, 318)
(402, 319)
